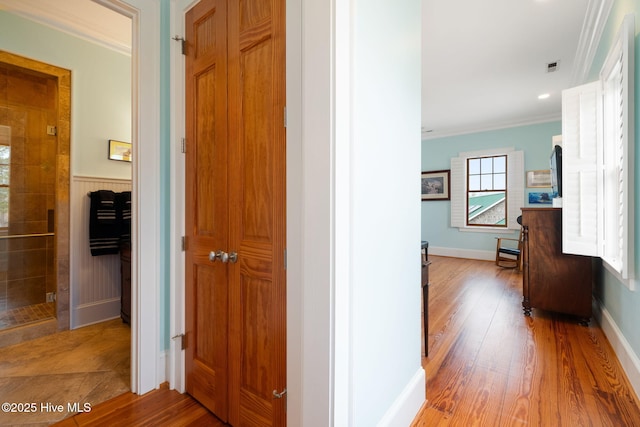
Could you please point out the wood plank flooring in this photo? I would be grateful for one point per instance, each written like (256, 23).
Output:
(488, 365)
(161, 407)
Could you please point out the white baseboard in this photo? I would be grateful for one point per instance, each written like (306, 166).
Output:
(163, 367)
(463, 253)
(408, 404)
(96, 312)
(175, 366)
(627, 357)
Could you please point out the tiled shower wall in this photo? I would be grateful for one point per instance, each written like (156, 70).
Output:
(61, 164)
(27, 270)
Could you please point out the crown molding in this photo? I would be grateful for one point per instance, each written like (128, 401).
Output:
(59, 18)
(555, 117)
(592, 28)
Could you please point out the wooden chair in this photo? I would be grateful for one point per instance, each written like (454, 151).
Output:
(508, 252)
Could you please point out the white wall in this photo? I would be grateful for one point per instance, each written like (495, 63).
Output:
(353, 85)
(385, 206)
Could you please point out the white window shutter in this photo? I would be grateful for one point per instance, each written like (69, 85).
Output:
(581, 170)
(618, 112)
(515, 187)
(458, 192)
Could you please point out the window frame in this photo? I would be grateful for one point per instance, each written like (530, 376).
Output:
(515, 189)
(480, 174)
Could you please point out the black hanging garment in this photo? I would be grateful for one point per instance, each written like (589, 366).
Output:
(104, 227)
(123, 215)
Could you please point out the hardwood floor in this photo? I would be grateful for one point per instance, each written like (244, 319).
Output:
(488, 365)
(161, 407)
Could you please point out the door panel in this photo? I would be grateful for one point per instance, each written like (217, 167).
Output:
(256, 139)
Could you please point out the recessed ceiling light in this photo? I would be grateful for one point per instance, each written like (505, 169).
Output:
(544, 96)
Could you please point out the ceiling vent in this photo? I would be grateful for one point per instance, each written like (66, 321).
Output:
(552, 66)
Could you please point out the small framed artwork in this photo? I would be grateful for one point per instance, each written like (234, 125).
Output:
(540, 198)
(119, 150)
(436, 185)
(539, 179)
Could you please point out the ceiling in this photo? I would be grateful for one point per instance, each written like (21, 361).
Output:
(484, 62)
(82, 18)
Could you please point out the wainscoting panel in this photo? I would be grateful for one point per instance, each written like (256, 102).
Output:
(95, 281)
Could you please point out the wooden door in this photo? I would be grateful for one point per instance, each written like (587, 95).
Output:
(207, 213)
(236, 312)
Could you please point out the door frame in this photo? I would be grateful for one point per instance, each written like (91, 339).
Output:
(310, 251)
(147, 371)
(176, 368)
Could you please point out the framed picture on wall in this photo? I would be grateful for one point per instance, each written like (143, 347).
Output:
(119, 150)
(436, 185)
(539, 179)
(540, 198)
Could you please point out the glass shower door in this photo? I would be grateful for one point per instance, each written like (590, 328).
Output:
(27, 197)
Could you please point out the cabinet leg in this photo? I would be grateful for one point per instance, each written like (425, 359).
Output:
(526, 307)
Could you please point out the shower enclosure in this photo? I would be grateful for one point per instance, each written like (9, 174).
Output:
(28, 150)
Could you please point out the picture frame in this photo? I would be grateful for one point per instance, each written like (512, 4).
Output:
(436, 185)
(539, 178)
(540, 198)
(120, 150)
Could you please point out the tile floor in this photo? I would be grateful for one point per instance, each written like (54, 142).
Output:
(49, 376)
(25, 315)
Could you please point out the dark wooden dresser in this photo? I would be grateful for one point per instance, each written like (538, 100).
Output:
(125, 274)
(553, 281)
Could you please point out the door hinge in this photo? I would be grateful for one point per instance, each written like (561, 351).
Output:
(183, 43)
(52, 130)
(285, 258)
(183, 341)
(183, 243)
(285, 117)
(183, 145)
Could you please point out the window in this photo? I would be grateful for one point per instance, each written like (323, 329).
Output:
(597, 127)
(487, 189)
(5, 160)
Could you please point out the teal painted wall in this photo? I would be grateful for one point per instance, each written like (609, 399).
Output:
(534, 140)
(165, 172)
(100, 90)
(622, 304)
